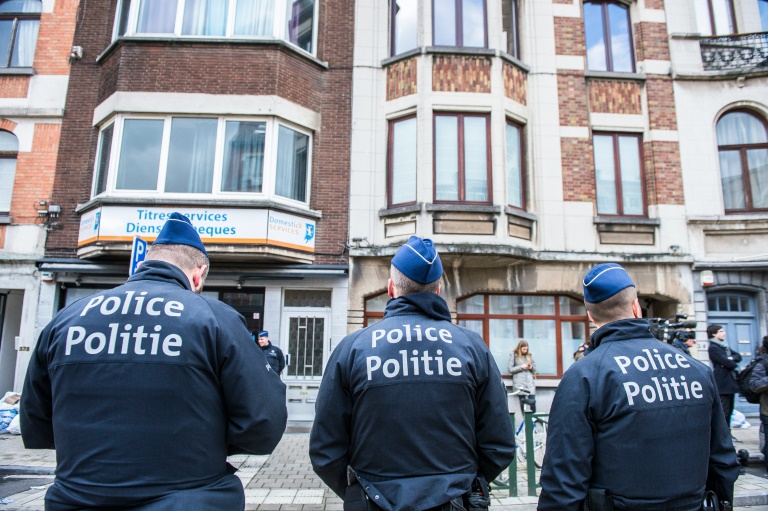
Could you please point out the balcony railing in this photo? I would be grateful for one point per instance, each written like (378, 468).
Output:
(735, 51)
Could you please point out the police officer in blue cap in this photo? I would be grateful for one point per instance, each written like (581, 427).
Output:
(636, 425)
(273, 353)
(411, 409)
(143, 390)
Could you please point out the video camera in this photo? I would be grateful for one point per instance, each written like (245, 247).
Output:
(669, 329)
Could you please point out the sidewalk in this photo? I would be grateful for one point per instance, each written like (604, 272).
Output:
(284, 481)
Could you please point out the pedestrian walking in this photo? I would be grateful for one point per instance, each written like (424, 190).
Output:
(758, 382)
(725, 364)
(274, 354)
(636, 424)
(413, 409)
(144, 389)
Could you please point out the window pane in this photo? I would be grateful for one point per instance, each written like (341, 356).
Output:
(757, 160)
(605, 175)
(621, 49)
(371, 321)
(738, 128)
(503, 339)
(444, 14)
(376, 303)
(446, 158)
(763, 5)
(205, 17)
(731, 177)
(723, 21)
(476, 325)
(703, 22)
(404, 161)
(140, 154)
(102, 164)
(473, 23)
(542, 339)
(307, 298)
(292, 161)
(631, 185)
(733, 304)
(514, 165)
(571, 307)
(300, 19)
(254, 17)
(243, 157)
(8, 141)
(745, 305)
(712, 304)
(406, 28)
(522, 304)
(157, 17)
(722, 303)
(595, 37)
(475, 159)
(24, 46)
(6, 31)
(509, 22)
(21, 6)
(191, 155)
(472, 305)
(123, 13)
(7, 176)
(572, 335)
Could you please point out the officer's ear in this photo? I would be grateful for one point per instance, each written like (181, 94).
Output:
(637, 311)
(198, 277)
(391, 288)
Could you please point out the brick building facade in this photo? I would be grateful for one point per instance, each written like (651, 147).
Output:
(531, 139)
(34, 75)
(237, 115)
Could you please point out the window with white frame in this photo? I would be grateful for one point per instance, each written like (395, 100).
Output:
(715, 17)
(203, 155)
(291, 20)
(9, 147)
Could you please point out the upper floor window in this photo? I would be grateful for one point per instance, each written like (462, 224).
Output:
(459, 23)
(608, 36)
(404, 23)
(374, 308)
(515, 167)
(554, 327)
(715, 17)
(401, 175)
(9, 147)
(618, 174)
(462, 158)
(510, 16)
(763, 5)
(19, 24)
(292, 20)
(742, 140)
(203, 155)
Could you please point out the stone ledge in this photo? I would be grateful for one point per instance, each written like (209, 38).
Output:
(400, 210)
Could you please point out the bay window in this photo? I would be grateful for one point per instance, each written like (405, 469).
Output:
(619, 174)
(291, 20)
(19, 25)
(401, 175)
(608, 36)
(514, 163)
(459, 23)
(191, 156)
(553, 325)
(404, 24)
(462, 160)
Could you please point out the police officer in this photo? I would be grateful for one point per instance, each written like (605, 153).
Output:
(412, 408)
(273, 353)
(148, 387)
(636, 424)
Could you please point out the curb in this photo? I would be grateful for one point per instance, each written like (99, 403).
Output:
(7, 470)
(750, 500)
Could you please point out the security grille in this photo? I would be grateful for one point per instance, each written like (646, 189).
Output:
(305, 344)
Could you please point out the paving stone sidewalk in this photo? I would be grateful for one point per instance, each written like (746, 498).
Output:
(284, 481)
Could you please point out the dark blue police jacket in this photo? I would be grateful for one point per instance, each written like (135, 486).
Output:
(640, 419)
(274, 356)
(143, 390)
(415, 405)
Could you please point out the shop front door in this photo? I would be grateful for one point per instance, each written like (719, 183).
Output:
(305, 341)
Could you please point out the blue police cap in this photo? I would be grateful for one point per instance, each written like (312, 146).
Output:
(178, 230)
(263, 333)
(605, 280)
(418, 260)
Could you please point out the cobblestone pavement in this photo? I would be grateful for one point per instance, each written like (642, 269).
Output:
(284, 481)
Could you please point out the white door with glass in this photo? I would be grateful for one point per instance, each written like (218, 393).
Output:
(306, 344)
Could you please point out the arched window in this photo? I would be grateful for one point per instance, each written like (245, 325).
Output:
(742, 142)
(19, 23)
(9, 147)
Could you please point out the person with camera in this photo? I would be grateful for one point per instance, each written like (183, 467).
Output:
(412, 411)
(684, 345)
(758, 382)
(725, 363)
(637, 424)
(523, 370)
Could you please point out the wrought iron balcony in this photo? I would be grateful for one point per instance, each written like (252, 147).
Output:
(740, 51)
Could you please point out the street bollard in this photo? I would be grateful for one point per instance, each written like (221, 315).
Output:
(512, 470)
(529, 452)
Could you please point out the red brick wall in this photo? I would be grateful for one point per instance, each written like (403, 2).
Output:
(572, 98)
(456, 73)
(515, 83)
(35, 173)
(578, 170)
(651, 41)
(661, 102)
(654, 4)
(663, 173)
(54, 40)
(14, 86)
(615, 97)
(401, 79)
(7, 125)
(569, 36)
